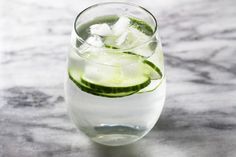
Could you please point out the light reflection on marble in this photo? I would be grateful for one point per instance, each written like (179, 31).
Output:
(199, 118)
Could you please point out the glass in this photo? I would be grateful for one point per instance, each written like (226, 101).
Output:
(115, 84)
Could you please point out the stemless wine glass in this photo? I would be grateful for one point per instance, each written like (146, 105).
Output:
(115, 84)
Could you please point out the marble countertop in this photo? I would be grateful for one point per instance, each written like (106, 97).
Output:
(199, 117)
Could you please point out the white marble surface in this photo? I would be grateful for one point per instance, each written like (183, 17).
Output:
(199, 118)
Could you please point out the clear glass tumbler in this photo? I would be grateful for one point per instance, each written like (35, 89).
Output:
(115, 83)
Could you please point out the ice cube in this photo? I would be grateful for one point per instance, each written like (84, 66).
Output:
(138, 35)
(133, 70)
(92, 72)
(100, 29)
(83, 48)
(95, 40)
(121, 25)
(121, 39)
(135, 37)
(100, 74)
(92, 44)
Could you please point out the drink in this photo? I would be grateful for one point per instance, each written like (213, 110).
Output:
(115, 88)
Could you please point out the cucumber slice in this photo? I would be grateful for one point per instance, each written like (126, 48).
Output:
(116, 74)
(151, 87)
(86, 89)
(105, 91)
(111, 58)
(152, 70)
(139, 84)
(74, 75)
(141, 26)
(129, 85)
(110, 47)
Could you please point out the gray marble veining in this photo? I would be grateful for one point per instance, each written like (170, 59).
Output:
(199, 118)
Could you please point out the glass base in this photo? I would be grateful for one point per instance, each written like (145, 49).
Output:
(115, 139)
(116, 135)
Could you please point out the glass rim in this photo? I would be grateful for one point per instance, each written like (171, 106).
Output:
(124, 3)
